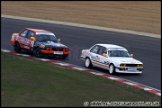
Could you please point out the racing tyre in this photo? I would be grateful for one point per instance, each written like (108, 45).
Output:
(112, 69)
(17, 47)
(88, 63)
(38, 53)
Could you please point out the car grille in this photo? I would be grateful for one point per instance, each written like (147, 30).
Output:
(131, 65)
(57, 49)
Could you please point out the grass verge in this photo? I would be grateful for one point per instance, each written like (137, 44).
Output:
(28, 82)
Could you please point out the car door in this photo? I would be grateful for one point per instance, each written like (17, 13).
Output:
(103, 58)
(22, 39)
(94, 55)
(28, 42)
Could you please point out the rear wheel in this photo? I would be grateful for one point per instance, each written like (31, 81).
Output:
(112, 69)
(88, 63)
(17, 47)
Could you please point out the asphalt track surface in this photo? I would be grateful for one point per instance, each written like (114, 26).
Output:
(145, 49)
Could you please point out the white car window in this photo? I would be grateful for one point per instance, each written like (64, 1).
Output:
(102, 50)
(118, 53)
(24, 33)
(30, 34)
(95, 49)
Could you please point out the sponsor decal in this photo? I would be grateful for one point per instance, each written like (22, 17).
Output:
(98, 58)
(26, 47)
(117, 49)
(24, 41)
(106, 62)
(45, 33)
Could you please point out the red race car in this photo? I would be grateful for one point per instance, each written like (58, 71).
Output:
(40, 42)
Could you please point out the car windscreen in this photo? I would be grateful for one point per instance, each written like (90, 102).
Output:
(118, 53)
(46, 37)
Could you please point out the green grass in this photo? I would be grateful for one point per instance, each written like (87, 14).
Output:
(28, 82)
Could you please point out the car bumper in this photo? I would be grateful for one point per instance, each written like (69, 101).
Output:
(54, 52)
(117, 70)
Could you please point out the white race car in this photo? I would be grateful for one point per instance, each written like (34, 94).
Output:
(111, 57)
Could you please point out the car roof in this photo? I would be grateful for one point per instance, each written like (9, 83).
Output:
(38, 30)
(110, 46)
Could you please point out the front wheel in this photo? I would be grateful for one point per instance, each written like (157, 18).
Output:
(88, 63)
(111, 69)
(38, 53)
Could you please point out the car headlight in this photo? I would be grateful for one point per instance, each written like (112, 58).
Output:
(122, 65)
(139, 65)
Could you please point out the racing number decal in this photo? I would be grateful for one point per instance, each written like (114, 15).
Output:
(98, 58)
(106, 62)
(24, 41)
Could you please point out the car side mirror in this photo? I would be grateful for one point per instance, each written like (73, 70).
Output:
(59, 40)
(32, 38)
(104, 54)
(131, 55)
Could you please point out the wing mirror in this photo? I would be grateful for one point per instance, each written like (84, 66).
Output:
(131, 55)
(59, 40)
(32, 38)
(104, 54)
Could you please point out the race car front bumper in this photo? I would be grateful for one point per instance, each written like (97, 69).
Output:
(50, 51)
(128, 70)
